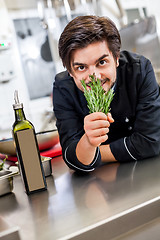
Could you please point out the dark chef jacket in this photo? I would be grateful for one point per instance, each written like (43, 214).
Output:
(135, 133)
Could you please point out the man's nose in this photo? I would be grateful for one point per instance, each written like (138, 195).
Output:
(95, 71)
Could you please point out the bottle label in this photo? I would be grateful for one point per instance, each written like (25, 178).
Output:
(29, 159)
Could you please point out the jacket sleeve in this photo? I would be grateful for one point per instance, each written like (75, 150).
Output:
(70, 126)
(144, 142)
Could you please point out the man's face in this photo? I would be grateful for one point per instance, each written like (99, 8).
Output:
(95, 58)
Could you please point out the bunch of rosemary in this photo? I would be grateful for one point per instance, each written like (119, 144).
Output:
(97, 99)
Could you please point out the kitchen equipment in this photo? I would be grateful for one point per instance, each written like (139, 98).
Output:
(142, 37)
(46, 140)
(46, 163)
(6, 179)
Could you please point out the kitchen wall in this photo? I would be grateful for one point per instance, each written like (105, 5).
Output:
(11, 74)
(38, 110)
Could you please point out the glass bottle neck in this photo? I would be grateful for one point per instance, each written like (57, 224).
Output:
(19, 115)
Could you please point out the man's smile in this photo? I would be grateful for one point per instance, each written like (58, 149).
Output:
(103, 81)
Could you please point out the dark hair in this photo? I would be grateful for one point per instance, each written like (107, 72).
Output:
(82, 31)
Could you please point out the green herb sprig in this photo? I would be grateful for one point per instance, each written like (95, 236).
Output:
(97, 99)
(2, 164)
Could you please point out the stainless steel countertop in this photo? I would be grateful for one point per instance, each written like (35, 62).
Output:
(75, 204)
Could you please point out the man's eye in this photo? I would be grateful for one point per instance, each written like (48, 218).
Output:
(81, 68)
(102, 62)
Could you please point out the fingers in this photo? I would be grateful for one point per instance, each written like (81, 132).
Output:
(96, 126)
(100, 116)
(97, 120)
(96, 141)
(97, 132)
(110, 119)
(97, 116)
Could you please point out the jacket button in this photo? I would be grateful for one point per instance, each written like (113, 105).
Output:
(129, 128)
(126, 120)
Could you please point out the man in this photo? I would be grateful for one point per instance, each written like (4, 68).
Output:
(91, 45)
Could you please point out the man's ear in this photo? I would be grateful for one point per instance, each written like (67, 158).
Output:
(117, 63)
(71, 74)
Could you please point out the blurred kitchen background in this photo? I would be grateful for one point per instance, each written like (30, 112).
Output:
(29, 33)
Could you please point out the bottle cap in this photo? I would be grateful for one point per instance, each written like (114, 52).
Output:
(17, 104)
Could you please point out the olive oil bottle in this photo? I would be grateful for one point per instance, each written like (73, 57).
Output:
(27, 150)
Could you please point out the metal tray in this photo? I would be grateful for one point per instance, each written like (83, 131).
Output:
(6, 179)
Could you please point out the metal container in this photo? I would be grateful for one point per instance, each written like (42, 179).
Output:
(6, 175)
(6, 180)
(46, 140)
(46, 163)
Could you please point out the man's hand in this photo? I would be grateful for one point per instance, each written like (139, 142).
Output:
(96, 126)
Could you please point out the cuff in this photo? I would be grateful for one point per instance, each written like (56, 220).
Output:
(72, 161)
(121, 151)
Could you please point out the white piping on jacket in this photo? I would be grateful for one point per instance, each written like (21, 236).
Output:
(85, 170)
(128, 150)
